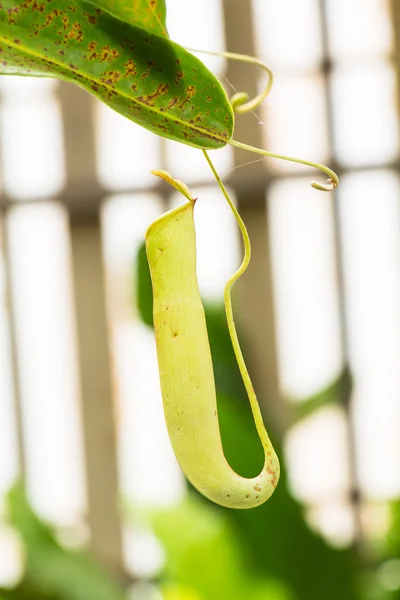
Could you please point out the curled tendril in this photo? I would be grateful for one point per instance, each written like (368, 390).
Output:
(241, 104)
(240, 101)
(331, 183)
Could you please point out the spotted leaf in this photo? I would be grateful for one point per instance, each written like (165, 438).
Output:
(144, 76)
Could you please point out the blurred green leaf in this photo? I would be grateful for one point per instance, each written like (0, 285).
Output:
(143, 292)
(52, 572)
(336, 393)
(206, 557)
(393, 540)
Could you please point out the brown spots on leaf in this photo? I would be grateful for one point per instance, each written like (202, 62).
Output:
(49, 20)
(150, 99)
(92, 51)
(73, 67)
(135, 110)
(108, 54)
(111, 78)
(38, 7)
(76, 32)
(17, 42)
(91, 18)
(145, 75)
(257, 488)
(162, 128)
(178, 77)
(173, 102)
(105, 54)
(130, 68)
(190, 92)
(65, 21)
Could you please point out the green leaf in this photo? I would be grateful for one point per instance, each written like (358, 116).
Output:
(143, 292)
(145, 77)
(206, 560)
(148, 14)
(52, 572)
(336, 393)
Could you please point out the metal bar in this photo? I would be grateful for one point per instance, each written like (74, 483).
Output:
(96, 391)
(13, 346)
(12, 334)
(73, 202)
(92, 330)
(355, 500)
(254, 293)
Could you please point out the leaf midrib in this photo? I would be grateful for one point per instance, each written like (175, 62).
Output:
(157, 19)
(123, 95)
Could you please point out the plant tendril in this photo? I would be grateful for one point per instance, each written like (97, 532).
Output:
(241, 104)
(255, 409)
(331, 183)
